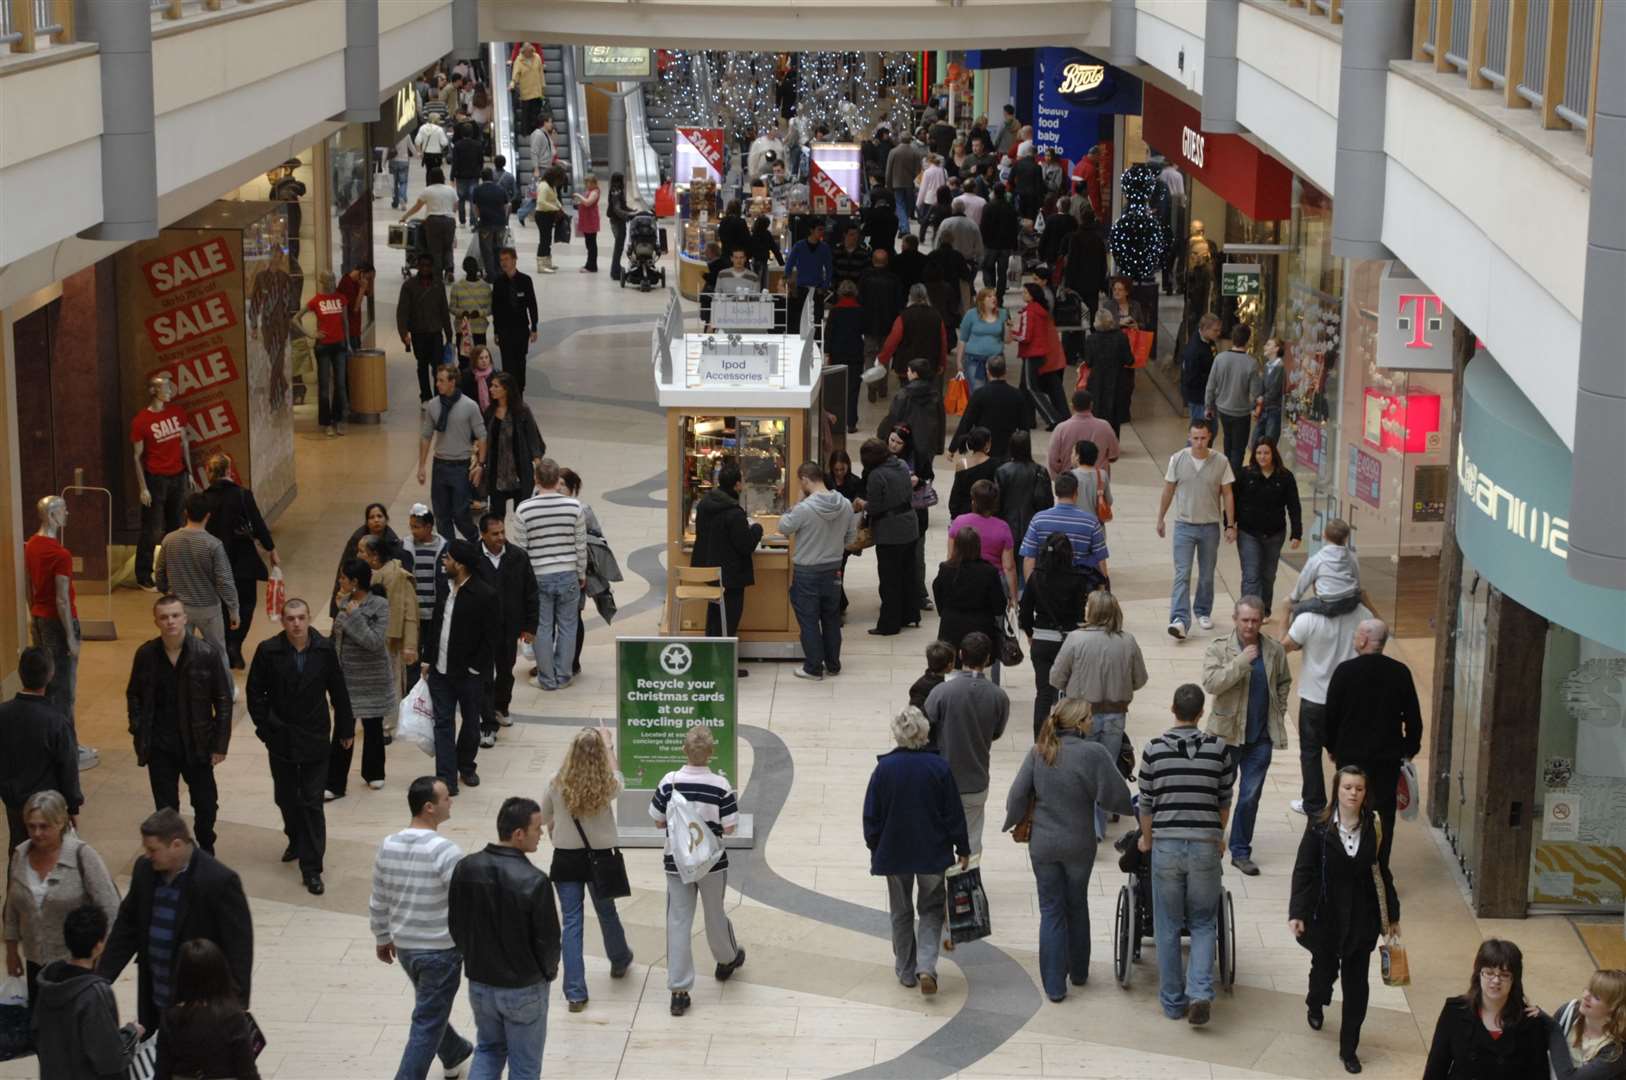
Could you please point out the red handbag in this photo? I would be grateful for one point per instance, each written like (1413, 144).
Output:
(1140, 344)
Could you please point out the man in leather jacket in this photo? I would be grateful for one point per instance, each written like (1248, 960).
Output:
(501, 913)
(292, 681)
(179, 701)
(507, 569)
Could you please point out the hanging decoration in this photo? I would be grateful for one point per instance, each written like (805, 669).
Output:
(1140, 240)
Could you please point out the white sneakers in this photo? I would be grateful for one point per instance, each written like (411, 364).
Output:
(1297, 806)
(1177, 630)
(376, 785)
(88, 758)
(1205, 622)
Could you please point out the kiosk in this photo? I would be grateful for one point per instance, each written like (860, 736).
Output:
(756, 397)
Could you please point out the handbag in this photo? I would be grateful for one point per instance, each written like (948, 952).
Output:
(144, 1062)
(256, 1037)
(1408, 792)
(1140, 344)
(864, 539)
(1391, 951)
(1010, 648)
(924, 496)
(608, 868)
(1103, 509)
(1022, 831)
(561, 228)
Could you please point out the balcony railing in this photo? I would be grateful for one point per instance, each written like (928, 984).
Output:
(25, 25)
(1332, 10)
(1540, 54)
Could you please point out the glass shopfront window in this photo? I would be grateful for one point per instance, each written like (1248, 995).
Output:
(1578, 859)
(1309, 326)
(350, 184)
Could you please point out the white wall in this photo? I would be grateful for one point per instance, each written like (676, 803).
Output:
(1287, 91)
(1169, 37)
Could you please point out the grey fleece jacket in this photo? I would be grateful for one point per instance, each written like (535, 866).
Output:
(1231, 383)
(76, 1026)
(823, 524)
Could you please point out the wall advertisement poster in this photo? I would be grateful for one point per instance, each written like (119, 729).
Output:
(665, 686)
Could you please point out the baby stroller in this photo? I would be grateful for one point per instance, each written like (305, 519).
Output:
(643, 250)
(409, 237)
(1134, 918)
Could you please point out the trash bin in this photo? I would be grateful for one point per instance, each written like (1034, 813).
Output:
(369, 390)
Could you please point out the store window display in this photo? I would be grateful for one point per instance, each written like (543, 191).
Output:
(160, 441)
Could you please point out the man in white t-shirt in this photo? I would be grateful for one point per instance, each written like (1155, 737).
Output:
(1196, 482)
(1327, 641)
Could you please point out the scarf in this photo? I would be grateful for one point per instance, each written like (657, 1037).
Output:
(482, 384)
(446, 404)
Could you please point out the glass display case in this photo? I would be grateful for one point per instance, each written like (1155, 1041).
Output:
(760, 445)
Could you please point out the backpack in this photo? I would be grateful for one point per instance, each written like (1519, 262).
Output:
(695, 848)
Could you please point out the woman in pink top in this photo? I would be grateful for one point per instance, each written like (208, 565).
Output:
(587, 221)
(998, 546)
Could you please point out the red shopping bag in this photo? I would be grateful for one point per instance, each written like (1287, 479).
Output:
(276, 593)
(955, 400)
(1140, 343)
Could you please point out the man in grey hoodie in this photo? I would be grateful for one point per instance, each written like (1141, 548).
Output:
(1233, 383)
(76, 1019)
(823, 523)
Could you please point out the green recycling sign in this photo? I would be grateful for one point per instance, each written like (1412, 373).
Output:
(664, 687)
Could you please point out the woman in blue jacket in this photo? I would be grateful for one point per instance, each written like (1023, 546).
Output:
(914, 824)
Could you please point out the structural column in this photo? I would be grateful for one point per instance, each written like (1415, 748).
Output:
(1219, 66)
(123, 35)
(361, 60)
(1597, 552)
(1374, 34)
(465, 29)
(1122, 50)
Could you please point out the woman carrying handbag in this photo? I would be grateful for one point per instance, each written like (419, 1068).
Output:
(1338, 909)
(578, 811)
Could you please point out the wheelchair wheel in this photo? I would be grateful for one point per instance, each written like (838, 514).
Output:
(1225, 933)
(1122, 933)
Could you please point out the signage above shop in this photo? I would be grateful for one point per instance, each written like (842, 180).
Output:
(1229, 165)
(1239, 279)
(1414, 325)
(1072, 91)
(617, 62)
(1513, 507)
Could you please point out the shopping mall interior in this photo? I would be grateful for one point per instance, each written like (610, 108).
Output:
(1413, 210)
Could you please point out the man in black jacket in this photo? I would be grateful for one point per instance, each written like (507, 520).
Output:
(513, 314)
(37, 745)
(851, 259)
(458, 654)
(424, 320)
(234, 519)
(184, 894)
(1373, 722)
(723, 537)
(1196, 361)
(179, 703)
(501, 915)
(294, 678)
(997, 406)
(919, 405)
(507, 570)
(881, 296)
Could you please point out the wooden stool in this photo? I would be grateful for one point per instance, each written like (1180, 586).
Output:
(699, 583)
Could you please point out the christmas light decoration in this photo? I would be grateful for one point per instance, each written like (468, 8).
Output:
(1140, 241)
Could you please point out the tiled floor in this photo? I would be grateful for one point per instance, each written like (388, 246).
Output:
(817, 997)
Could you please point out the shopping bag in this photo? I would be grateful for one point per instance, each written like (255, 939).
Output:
(144, 1064)
(1392, 958)
(1140, 343)
(561, 228)
(1103, 509)
(695, 848)
(955, 400)
(968, 917)
(1408, 794)
(16, 1033)
(276, 594)
(417, 719)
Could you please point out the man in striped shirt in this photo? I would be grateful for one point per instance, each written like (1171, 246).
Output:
(713, 799)
(407, 913)
(1080, 525)
(551, 529)
(428, 575)
(194, 566)
(1185, 797)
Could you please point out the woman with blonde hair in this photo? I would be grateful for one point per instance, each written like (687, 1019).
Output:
(1588, 1035)
(1061, 780)
(982, 337)
(53, 873)
(1101, 664)
(579, 813)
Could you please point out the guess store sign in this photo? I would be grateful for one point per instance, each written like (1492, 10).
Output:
(1229, 165)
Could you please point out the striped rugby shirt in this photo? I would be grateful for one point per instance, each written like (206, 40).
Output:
(426, 569)
(410, 878)
(1185, 780)
(713, 799)
(552, 530)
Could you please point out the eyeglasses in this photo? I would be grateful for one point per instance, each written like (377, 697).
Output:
(1501, 975)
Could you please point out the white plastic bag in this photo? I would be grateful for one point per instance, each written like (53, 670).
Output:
(417, 719)
(1408, 793)
(695, 848)
(14, 990)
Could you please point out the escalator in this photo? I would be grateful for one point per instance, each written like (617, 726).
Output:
(557, 81)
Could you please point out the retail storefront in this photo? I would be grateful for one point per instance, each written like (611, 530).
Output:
(1533, 763)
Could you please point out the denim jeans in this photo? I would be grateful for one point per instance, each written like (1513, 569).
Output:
(1064, 924)
(1202, 541)
(556, 596)
(1106, 728)
(1268, 426)
(815, 595)
(332, 387)
(465, 188)
(615, 938)
(1313, 782)
(1198, 411)
(917, 906)
(1185, 894)
(510, 1027)
(904, 198)
(435, 975)
(451, 495)
(1252, 762)
(399, 169)
(450, 696)
(1259, 556)
(976, 372)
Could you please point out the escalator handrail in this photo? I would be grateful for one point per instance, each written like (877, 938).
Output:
(581, 151)
(502, 110)
(643, 162)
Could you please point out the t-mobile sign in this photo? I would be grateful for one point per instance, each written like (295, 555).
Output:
(1414, 325)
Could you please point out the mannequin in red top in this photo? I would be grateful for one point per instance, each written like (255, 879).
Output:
(53, 609)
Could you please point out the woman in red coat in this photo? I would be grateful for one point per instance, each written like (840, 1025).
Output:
(1039, 346)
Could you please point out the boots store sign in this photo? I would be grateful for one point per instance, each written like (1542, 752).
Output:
(1229, 165)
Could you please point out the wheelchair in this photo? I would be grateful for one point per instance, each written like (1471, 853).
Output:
(1134, 925)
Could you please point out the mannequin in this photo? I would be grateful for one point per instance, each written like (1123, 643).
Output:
(53, 609)
(160, 440)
